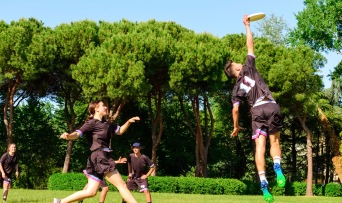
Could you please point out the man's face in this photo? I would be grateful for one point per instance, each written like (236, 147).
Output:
(236, 67)
(136, 150)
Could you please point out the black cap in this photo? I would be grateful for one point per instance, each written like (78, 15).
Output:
(136, 144)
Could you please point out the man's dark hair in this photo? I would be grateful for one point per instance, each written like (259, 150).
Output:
(230, 73)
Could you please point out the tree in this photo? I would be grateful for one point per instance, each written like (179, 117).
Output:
(194, 76)
(330, 116)
(274, 28)
(72, 41)
(300, 65)
(160, 39)
(319, 25)
(16, 67)
(37, 144)
(335, 92)
(138, 66)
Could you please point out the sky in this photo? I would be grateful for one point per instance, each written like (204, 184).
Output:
(218, 17)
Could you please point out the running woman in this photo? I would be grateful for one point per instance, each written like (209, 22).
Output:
(100, 165)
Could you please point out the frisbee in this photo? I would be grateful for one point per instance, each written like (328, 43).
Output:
(256, 16)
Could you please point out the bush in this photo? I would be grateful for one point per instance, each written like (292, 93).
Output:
(195, 185)
(333, 190)
(318, 190)
(233, 187)
(67, 181)
(188, 185)
(166, 184)
(252, 188)
(296, 189)
(276, 190)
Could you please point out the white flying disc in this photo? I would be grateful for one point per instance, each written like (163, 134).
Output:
(256, 16)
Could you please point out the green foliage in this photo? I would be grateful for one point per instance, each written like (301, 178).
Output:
(16, 43)
(197, 71)
(133, 60)
(195, 185)
(299, 189)
(318, 190)
(67, 181)
(333, 190)
(37, 144)
(275, 190)
(319, 25)
(44, 196)
(296, 188)
(232, 186)
(164, 185)
(252, 188)
(187, 185)
(301, 66)
(274, 28)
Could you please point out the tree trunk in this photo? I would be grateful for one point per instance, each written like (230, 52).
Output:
(293, 153)
(157, 124)
(338, 166)
(208, 132)
(69, 112)
(8, 109)
(203, 139)
(201, 165)
(309, 156)
(117, 108)
(334, 143)
(67, 157)
(317, 160)
(327, 159)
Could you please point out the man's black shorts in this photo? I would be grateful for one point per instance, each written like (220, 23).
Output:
(266, 119)
(134, 183)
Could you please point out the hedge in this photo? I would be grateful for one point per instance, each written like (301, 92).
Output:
(194, 185)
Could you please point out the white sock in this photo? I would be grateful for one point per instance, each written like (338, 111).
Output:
(276, 159)
(262, 176)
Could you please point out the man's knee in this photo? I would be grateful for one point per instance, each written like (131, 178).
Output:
(275, 142)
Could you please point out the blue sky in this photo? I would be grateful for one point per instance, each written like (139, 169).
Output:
(218, 17)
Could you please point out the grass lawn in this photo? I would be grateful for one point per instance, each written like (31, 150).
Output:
(46, 196)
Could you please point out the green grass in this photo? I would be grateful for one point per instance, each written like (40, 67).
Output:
(46, 196)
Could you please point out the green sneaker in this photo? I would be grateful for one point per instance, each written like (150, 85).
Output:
(267, 195)
(281, 180)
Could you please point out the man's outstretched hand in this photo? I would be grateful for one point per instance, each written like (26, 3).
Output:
(236, 131)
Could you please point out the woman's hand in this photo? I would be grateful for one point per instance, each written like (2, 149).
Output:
(134, 119)
(121, 160)
(64, 136)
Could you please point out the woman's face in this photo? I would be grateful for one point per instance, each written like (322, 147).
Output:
(12, 148)
(101, 109)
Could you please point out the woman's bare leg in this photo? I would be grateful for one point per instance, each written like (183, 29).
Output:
(115, 178)
(90, 191)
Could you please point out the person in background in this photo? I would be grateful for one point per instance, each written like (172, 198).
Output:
(140, 167)
(8, 164)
